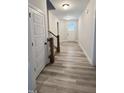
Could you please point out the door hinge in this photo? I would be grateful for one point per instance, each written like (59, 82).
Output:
(34, 69)
(29, 15)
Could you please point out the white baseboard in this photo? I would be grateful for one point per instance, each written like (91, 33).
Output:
(89, 59)
(35, 8)
(68, 41)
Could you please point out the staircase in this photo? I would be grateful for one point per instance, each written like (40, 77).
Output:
(54, 48)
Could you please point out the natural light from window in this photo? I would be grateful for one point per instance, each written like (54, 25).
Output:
(71, 26)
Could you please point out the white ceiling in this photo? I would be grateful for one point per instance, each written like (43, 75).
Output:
(73, 12)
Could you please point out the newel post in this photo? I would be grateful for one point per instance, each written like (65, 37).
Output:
(51, 41)
(58, 43)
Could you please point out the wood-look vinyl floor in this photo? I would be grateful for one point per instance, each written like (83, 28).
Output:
(71, 72)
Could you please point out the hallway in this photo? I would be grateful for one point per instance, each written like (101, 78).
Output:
(71, 72)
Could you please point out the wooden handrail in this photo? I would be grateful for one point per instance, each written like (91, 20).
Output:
(58, 40)
(52, 34)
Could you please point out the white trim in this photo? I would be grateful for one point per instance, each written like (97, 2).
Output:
(61, 41)
(35, 8)
(89, 59)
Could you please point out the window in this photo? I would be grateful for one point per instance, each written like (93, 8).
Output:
(71, 26)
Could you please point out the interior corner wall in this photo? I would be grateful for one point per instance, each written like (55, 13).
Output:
(53, 22)
(53, 25)
(86, 33)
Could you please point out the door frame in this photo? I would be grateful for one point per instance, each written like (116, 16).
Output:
(31, 74)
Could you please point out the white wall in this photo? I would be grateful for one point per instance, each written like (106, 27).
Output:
(38, 3)
(63, 30)
(87, 31)
(53, 25)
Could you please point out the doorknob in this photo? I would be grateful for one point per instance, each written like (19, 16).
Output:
(32, 44)
(45, 43)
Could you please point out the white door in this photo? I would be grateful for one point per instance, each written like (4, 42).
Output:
(71, 30)
(71, 36)
(37, 20)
